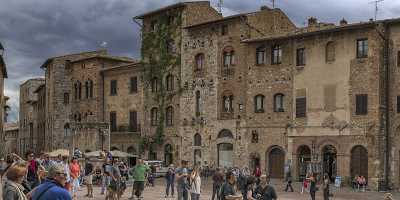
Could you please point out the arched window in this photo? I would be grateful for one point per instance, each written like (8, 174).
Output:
(227, 103)
(225, 133)
(169, 116)
(170, 82)
(278, 103)
(259, 103)
(330, 52)
(154, 116)
(229, 57)
(154, 84)
(260, 55)
(197, 140)
(199, 62)
(198, 109)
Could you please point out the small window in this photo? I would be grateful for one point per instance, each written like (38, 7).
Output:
(66, 98)
(301, 107)
(133, 85)
(113, 121)
(171, 20)
(199, 62)
(276, 55)
(197, 140)
(259, 103)
(260, 55)
(153, 25)
(398, 104)
(170, 82)
(362, 48)
(169, 116)
(278, 103)
(198, 108)
(300, 57)
(133, 121)
(254, 136)
(90, 89)
(361, 104)
(224, 29)
(113, 87)
(398, 59)
(154, 84)
(229, 58)
(154, 116)
(87, 89)
(330, 52)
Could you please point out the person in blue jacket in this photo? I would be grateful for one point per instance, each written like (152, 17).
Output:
(53, 187)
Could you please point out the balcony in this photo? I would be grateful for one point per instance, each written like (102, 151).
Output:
(123, 129)
(228, 72)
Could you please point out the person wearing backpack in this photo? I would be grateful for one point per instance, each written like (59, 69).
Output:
(53, 187)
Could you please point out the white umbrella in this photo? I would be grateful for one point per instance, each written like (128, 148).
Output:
(121, 154)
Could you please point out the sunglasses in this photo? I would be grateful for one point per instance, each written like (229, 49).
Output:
(62, 174)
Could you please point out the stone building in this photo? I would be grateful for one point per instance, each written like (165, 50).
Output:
(123, 100)
(27, 138)
(40, 118)
(254, 86)
(3, 75)
(10, 137)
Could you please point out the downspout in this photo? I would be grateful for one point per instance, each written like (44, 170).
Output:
(387, 102)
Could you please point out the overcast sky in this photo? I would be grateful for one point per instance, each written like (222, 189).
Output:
(33, 30)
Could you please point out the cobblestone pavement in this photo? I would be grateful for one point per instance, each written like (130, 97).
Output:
(157, 193)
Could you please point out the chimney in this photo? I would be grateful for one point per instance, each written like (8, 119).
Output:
(312, 21)
(343, 22)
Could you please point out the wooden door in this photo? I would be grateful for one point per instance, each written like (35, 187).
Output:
(276, 163)
(359, 162)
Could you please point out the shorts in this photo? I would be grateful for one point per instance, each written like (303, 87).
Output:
(138, 185)
(89, 179)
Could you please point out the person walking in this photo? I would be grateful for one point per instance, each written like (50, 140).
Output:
(53, 186)
(89, 178)
(13, 189)
(106, 168)
(33, 166)
(139, 174)
(313, 186)
(182, 181)
(289, 182)
(75, 172)
(218, 180)
(325, 186)
(195, 180)
(115, 190)
(170, 179)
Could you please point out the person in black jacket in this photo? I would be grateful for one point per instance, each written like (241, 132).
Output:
(265, 191)
(228, 188)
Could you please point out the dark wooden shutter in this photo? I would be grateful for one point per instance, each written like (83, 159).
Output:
(113, 89)
(398, 104)
(301, 107)
(133, 121)
(113, 121)
(134, 88)
(361, 104)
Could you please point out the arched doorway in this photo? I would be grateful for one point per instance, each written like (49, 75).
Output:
(303, 161)
(131, 160)
(329, 161)
(254, 161)
(168, 154)
(359, 162)
(225, 150)
(197, 157)
(276, 162)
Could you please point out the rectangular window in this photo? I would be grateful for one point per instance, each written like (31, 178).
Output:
(362, 48)
(300, 57)
(133, 121)
(113, 87)
(113, 121)
(361, 104)
(276, 55)
(398, 104)
(224, 29)
(301, 107)
(330, 98)
(66, 98)
(260, 56)
(133, 85)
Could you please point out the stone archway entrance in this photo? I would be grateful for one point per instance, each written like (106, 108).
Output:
(276, 162)
(254, 161)
(329, 162)
(303, 161)
(225, 150)
(359, 162)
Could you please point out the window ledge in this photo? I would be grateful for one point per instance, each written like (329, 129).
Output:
(259, 111)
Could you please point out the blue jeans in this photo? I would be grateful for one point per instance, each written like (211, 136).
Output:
(170, 186)
(183, 194)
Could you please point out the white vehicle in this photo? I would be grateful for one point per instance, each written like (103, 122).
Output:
(161, 170)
